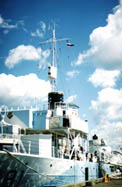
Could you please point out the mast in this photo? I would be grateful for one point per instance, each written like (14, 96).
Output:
(52, 68)
(53, 47)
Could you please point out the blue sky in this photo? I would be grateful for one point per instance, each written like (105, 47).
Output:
(89, 73)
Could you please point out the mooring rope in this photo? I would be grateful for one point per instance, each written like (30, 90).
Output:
(29, 167)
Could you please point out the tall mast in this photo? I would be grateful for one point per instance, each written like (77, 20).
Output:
(53, 47)
(52, 68)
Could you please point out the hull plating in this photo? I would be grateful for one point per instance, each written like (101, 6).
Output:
(29, 170)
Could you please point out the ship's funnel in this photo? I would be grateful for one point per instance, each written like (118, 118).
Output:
(53, 98)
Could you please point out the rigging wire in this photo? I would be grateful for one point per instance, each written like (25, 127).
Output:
(60, 69)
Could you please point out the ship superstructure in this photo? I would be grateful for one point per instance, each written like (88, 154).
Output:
(47, 147)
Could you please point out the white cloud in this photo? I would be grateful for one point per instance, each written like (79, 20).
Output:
(108, 117)
(106, 54)
(104, 78)
(105, 42)
(72, 74)
(70, 99)
(6, 31)
(22, 90)
(43, 26)
(37, 33)
(108, 104)
(29, 53)
(111, 132)
(5, 24)
(1, 20)
(43, 59)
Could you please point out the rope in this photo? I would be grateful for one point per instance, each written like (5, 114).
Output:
(29, 167)
(13, 156)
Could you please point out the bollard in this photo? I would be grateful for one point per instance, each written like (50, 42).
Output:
(107, 178)
(89, 183)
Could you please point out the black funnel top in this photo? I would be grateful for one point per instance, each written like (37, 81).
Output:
(55, 97)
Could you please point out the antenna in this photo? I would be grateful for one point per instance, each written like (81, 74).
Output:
(52, 68)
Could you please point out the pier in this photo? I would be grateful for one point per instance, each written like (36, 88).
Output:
(114, 182)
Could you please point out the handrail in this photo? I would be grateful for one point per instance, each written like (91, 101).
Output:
(9, 136)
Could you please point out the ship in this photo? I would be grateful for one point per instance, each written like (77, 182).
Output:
(49, 147)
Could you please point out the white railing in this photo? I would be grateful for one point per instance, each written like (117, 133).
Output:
(9, 136)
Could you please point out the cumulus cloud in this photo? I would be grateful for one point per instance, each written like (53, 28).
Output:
(72, 74)
(108, 104)
(105, 42)
(71, 98)
(108, 118)
(22, 90)
(29, 53)
(22, 53)
(104, 78)
(111, 132)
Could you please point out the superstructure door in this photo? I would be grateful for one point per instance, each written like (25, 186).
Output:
(86, 174)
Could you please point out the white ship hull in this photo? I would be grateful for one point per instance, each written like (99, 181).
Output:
(31, 170)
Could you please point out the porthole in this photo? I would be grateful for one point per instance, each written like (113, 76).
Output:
(51, 165)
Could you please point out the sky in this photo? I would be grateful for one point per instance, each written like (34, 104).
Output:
(89, 73)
